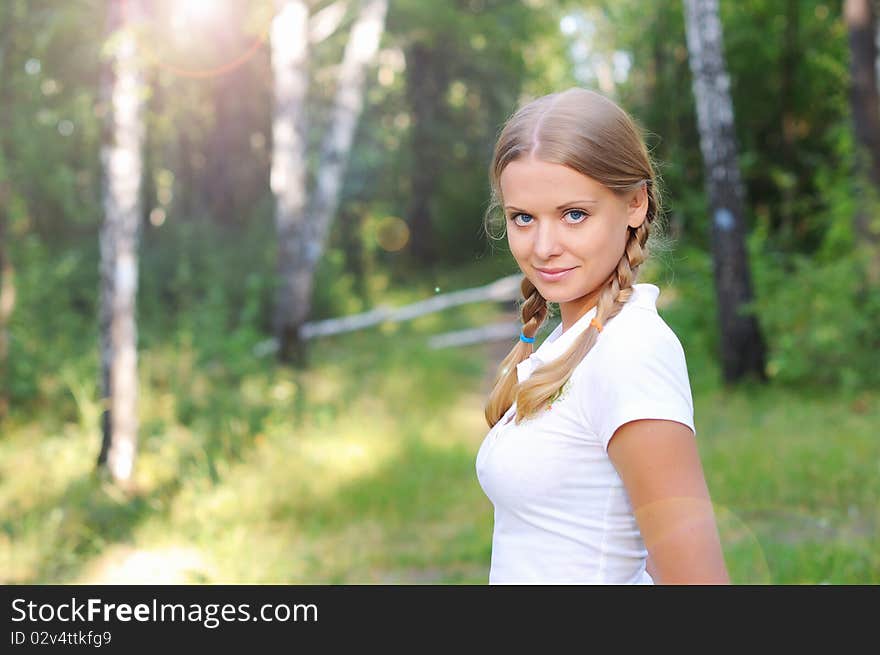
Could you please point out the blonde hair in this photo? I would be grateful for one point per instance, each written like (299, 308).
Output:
(589, 133)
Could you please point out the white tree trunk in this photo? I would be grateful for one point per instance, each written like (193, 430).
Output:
(742, 347)
(363, 44)
(711, 86)
(326, 21)
(122, 90)
(303, 233)
(289, 143)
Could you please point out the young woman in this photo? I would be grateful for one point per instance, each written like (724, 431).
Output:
(591, 461)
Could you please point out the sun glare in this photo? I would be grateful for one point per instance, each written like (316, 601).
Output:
(189, 13)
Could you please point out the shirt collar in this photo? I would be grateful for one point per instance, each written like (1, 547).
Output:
(644, 295)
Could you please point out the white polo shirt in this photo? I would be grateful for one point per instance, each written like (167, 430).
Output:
(562, 514)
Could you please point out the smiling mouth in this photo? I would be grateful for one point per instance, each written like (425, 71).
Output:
(553, 274)
(552, 271)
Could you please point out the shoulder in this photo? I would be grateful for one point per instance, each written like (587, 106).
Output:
(636, 336)
(636, 346)
(637, 369)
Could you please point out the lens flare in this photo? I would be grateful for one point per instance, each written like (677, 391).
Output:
(190, 19)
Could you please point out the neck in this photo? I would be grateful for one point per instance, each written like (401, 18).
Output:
(573, 310)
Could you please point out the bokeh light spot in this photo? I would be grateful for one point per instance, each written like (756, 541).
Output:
(157, 216)
(392, 234)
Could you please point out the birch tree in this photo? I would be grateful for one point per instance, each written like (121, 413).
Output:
(303, 219)
(121, 92)
(865, 106)
(742, 345)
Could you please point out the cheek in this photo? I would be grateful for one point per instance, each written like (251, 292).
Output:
(518, 245)
(604, 241)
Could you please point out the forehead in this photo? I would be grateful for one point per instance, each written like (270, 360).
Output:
(535, 183)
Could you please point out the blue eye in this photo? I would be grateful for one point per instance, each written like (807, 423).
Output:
(521, 217)
(577, 215)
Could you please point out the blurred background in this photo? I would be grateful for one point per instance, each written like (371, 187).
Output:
(249, 314)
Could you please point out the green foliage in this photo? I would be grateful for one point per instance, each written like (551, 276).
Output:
(54, 325)
(214, 284)
(789, 83)
(478, 59)
(820, 315)
(820, 318)
(335, 288)
(50, 134)
(787, 63)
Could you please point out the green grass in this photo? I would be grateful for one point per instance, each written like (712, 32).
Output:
(361, 469)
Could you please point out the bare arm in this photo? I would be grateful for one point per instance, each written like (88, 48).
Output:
(661, 470)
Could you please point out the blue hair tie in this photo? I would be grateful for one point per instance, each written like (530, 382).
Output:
(523, 337)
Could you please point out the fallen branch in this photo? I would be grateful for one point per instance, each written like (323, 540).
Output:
(506, 288)
(494, 332)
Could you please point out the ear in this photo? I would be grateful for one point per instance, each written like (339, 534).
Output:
(637, 207)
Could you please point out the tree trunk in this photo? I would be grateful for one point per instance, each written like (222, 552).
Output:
(224, 193)
(122, 90)
(861, 21)
(288, 176)
(303, 235)
(426, 85)
(742, 345)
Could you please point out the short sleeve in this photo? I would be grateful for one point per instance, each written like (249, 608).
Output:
(641, 374)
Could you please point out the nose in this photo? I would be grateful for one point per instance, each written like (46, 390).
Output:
(547, 243)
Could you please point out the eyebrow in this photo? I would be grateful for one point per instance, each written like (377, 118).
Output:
(562, 206)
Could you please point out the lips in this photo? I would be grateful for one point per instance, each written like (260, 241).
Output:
(553, 274)
(551, 271)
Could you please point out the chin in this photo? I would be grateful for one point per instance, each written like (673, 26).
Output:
(555, 295)
(561, 300)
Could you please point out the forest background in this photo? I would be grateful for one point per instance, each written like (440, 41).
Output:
(350, 458)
